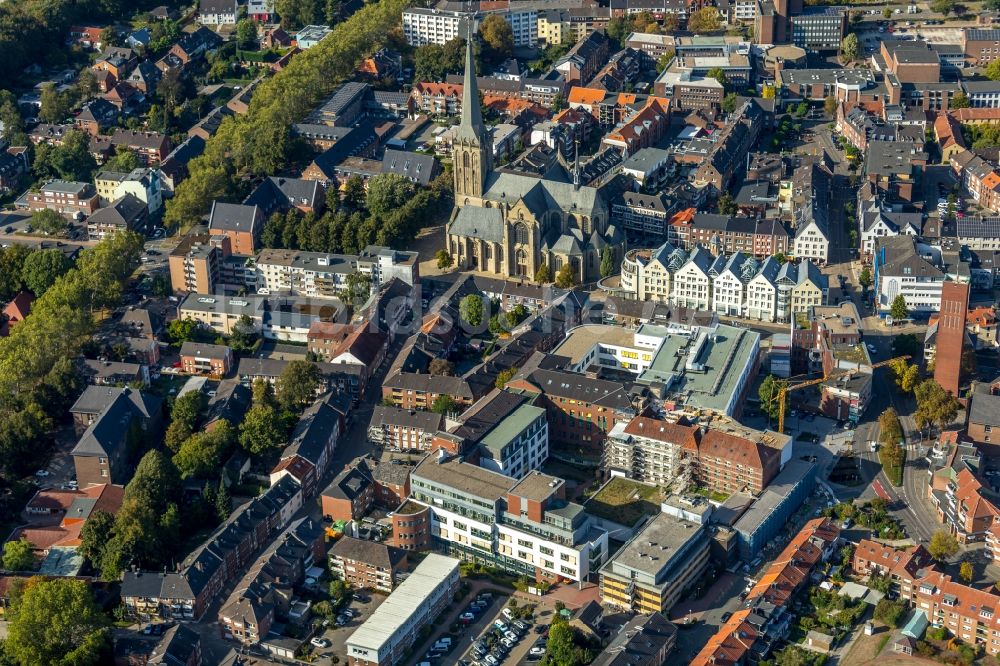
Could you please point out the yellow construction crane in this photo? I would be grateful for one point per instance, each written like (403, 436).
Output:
(785, 390)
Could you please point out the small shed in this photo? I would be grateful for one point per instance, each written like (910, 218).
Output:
(818, 642)
(904, 645)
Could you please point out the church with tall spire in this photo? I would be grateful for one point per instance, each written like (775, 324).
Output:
(509, 224)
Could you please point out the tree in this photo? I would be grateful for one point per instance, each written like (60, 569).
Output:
(943, 545)
(54, 104)
(48, 221)
(498, 37)
(729, 102)
(898, 309)
(959, 101)
(543, 275)
(965, 571)
(18, 555)
(298, 384)
(444, 259)
(42, 268)
(992, 70)
(441, 366)
(718, 73)
(886, 13)
(727, 204)
(769, 394)
(607, 262)
(243, 335)
(889, 612)
(86, 84)
(94, 534)
(944, 7)
(934, 405)
(566, 278)
(705, 19)
(56, 622)
(223, 505)
(125, 161)
(295, 14)
(890, 430)
(202, 454)
(561, 648)
(388, 192)
(865, 279)
(505, 376)
(664, 61)
(246, 34)
(880, 583)
(850, 47)
(261, 430)
(444, 404)
(338, 590)
(830, 105)
(471, 310)
(357, 289)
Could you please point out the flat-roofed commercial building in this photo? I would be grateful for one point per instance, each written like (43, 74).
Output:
(525, 527)
(650, 572)
(394, 626)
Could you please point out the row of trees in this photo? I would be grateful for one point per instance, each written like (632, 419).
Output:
(35, 270)
(37, 375)
(891, 452)
(391, 213)
(259, 142)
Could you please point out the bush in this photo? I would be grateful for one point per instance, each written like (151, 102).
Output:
(937, 634)
(889, 612)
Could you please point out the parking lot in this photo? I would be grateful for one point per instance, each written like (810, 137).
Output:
(499, 636)
(338, 635)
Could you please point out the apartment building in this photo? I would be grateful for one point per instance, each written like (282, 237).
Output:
(654, 568)
(261, 598)
(187, 593)
(351, 494)
(124, 214)
(365, 564)
(403, 429)
(65, 197)
(903, 567)
(981, 45)
(241, 224)
(206, 359)
(324, 275)
(525, 527)
(274, 317)
(196, 264)
(394, 626)
(899, 269)
(726, 457)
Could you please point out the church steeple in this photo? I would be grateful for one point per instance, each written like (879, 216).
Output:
(471, 127)
(472, 144)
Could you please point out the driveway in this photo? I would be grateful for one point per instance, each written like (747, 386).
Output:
(338, 635)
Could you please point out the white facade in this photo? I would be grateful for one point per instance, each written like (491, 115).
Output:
(571, 562)
(920, 294)
(218, 13)
(811, 243)
(146, 186)
(518, 445)
(692, 287)
(761, 301)
(435, 26)
(745, 10)
(728, 294)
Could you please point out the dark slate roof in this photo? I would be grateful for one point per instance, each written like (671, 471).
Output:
(204, 350)
(233, 217)
(281, 193)
(407, 418)
(483, 416)
(141, 321)
(96, 399)
(476, 222)
(600, 392)
(312, 432)
(123, 212)
(230, 402)
(370, 552)
(412, 166)
(985, 409)
(178, 645)
(351, 482)
(639, 641)
(109, 429)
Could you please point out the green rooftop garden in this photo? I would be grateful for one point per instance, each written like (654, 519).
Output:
(625, 501)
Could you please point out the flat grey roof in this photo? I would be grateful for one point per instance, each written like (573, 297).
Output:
(464, 477)
(656, 544)
(782, 485)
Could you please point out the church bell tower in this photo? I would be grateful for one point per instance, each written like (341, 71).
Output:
(471, 150)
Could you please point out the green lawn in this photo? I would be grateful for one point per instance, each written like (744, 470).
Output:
(894, 473)
(625, 501)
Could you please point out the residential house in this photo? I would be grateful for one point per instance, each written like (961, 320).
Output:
(151, 147)
(15, 311)
(313, 440)
(217, 12)
(106, 451)
(126, 213)
(68, 198)
(365, 564)
(202, 358)
(242, 224)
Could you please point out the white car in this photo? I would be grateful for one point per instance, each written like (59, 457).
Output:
(536, 651)
(506, 642)
(42, 473)
(319, 642)
(871, 347)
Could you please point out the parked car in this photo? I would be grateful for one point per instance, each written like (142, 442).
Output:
(467, 617)
(511, 635)
(319, 642)
(501, 625)
(536, 651)
(508, 613)
(520, 625)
